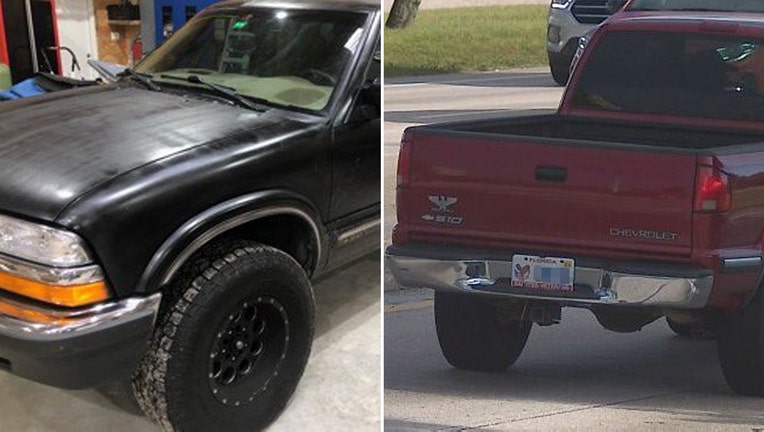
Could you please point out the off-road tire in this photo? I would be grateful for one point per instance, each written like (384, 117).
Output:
(741, 348)
(691, 330)
(173, 383)
(476, 335)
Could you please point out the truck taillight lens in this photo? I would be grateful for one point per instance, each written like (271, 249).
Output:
(712, 190)
(403, 180)
(404, 161)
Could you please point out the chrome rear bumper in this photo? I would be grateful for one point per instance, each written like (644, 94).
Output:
(594, 285)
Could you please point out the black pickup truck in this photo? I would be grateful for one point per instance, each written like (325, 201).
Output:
(166, 227)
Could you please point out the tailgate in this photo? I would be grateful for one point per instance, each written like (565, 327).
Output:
(525, 195)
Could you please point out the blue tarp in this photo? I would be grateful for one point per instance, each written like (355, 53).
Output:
(23, 89)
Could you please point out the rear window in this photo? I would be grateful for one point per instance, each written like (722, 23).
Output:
(709, 76)
(698, 5)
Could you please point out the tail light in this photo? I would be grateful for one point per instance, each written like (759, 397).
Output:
(712, 190)
(404, 161)
(403, 180)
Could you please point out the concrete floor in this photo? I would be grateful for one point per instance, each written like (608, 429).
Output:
(340, 391)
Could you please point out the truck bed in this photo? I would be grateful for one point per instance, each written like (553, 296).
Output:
(571, 131)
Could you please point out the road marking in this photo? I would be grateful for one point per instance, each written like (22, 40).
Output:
(416, 84)
(403, 307)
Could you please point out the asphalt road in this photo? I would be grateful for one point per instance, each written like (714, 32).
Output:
(573, 376)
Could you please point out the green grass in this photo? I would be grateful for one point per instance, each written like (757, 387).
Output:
(468, 39)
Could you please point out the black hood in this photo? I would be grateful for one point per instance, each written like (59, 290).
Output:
(55, 148)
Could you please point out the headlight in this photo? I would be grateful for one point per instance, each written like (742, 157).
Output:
(561, 4)
(41, 244)
(582, 41)
(48, 265)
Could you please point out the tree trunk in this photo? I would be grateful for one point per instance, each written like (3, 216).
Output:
(402, 13)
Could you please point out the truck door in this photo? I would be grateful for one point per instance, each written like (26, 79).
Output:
(356, 153)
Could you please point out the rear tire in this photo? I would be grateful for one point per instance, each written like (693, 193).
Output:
(691, 330)
(232, 341)
(741, 348)
(475, 335)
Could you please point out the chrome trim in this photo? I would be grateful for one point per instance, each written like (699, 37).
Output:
(611, 287)
(234, 222)
(66, 323)
(564, 5)
(62, 276)
(356, 232)
(741, 263)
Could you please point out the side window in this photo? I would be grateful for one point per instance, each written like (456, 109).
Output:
(367, 105)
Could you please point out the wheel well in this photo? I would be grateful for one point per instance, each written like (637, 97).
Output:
(286, 232)
(287, 229)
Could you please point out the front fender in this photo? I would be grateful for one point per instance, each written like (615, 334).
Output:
(211, 223)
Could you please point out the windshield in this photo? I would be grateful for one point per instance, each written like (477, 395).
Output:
(702, 5)
(282, 57)
(712, 76)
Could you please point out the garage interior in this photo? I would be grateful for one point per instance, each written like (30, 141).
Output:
(60, 36)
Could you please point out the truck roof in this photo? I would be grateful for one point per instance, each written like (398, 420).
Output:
(349, 5)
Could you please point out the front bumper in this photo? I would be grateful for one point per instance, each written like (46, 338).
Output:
(562, 22)
(662, 286)
(77, 349)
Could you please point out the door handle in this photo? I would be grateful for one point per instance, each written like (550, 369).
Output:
(551, 174)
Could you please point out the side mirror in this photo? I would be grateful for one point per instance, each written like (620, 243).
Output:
(614, 6)
(368, 106)
(372, 92)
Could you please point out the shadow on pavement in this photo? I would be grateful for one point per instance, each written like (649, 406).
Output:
(574, 363)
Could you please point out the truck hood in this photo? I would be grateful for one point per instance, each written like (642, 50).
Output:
(57, 147)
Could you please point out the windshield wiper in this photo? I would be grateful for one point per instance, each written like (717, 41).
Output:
(142, 78)
(230, 93)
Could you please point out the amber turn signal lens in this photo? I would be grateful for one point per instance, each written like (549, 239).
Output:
(61, 295)
(28, 315)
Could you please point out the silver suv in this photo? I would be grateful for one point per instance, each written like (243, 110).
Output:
(568, 21)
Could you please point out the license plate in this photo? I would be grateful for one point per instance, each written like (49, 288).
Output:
(543, 273)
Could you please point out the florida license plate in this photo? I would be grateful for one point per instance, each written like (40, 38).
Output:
(543, 273)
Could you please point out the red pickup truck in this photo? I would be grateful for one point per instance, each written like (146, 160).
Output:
(641, 197)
